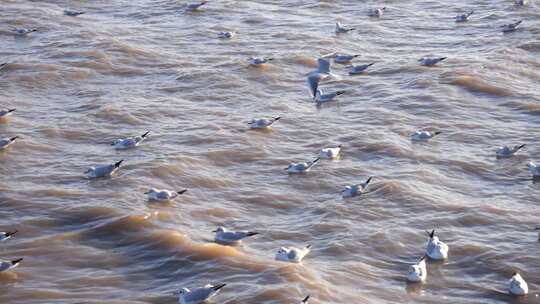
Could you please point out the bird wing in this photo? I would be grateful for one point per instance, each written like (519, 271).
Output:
(324, 66)
(198, 295)
(292, 255)
(313, 83)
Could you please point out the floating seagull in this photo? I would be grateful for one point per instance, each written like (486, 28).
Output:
(301, 167)
(506, 28)
(521, 2)
(344, 58)
(6, 112)
(464, 17)
(376, 12)
(225, 237)
(436, 250)
(359, 69)
(292, 254)
(263, 123)
(321, 73)
(227, 35)
(321, 97)
(305, 300)
(8, 265)
(340, 28)
(4, 236)
(518, 286)
(24, 31)
(72, 13)
(423, 135)
(195, 6)
(128, 143)
(104, 170)
(354, 190)
(330, 152)
(199, 295)
(256, 61)
(6, 142)
(534, 169)
(426, 61)
(505, 152)
(417, 272)
(163, 195)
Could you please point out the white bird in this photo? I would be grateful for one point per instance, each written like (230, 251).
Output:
(359, 69)
(163, 195)
(24, 31)
(423, 135)
(128, 143)
(263, 123)
(305, 300)
(340, 28)
(517, 285)
(427, 61)
(226, 237)
(6, 112)
(464, 17)
(199, 295)
(330, 152)
(344, 58)
(505, 152)
(4, 236)
(354, 190)
(321, 97)
(8, 265)
(301, 167)
(321, 73)
(227, 35)
(534, 169)
(258, 61)
(376, 12)
(104, 170)
(292, 254)
(195, 6)
(72, 13)
(436, 249)
(521, 2)
(417, 272)
(506, 28)
(6, 142)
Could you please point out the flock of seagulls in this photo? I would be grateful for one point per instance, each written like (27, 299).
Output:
(417, 272)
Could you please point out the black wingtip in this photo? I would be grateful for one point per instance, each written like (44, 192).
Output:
(432, 233)
(10, 233)
(340, 92)
(11, 110)
(437, 132)
(117, 164)
(13, 138)
(251, 233)
(369, 180)
(218, 287)
(316, 160)
(305, 299)
(277, 118)
(144, 135)
(442, 58)
(521, 146)
(17, 261)
(308, 246)
(182, 191)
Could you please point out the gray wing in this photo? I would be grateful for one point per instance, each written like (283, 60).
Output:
(313, 83)
(104, 170)
(324, 66)
(5, 265)
(199, 295)
(292, 255)
(4, 142)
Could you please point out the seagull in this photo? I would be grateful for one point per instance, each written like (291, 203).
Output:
(103, 170)
(340, 28)
(330, 152)
(199, 295)
(227, 35)
(8, 265)
(344, 58)
(359, 69)
(128, 143)
(305, 300)
(521, 2)
(423, 135)
(4, 236)
(6, 112)
(534, 169)
(321, 73)
(354, 190)
(506, 28)
(72, 13)
(376, 12)
(321, 97)
(518, 286)
(263, 123)
(195, 6)
(464, 17)
(426, 61)
(292, 254)
(24, 31)
(301, 167)
(163, 195)
(436, 249)
(505, 152)
(6, 142)
(417, 272)
(225, 237)
(256, 61)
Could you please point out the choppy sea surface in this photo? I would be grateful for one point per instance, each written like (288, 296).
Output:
(126, 67)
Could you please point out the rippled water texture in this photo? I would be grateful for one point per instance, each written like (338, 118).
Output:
(126, 67)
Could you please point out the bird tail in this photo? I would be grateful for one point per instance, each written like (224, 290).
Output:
(277, 118)
(308, 246)
(368, 180)
(11, 110)
(17, 261)
(144, 135)
(437, 132)
(251, 233)
(442, 58)
(340, 92)
(117, 164)
(218, 287)
(431, 234)
(13, 138)
(518, 23)
(182, 191)
(520, 147)
(305, 300)
(10, 233)
(470, 13)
